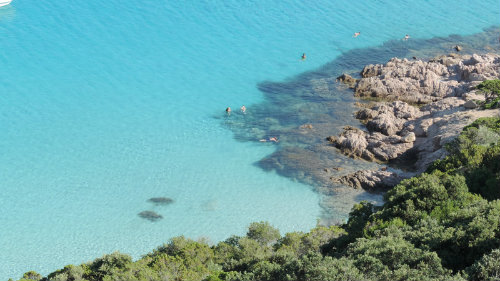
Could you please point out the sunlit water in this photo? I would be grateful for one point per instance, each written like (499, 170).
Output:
(105, 104)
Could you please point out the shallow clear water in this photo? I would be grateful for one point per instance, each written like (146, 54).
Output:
(104, 104)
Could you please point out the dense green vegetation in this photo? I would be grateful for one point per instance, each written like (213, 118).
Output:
(491, 88)
(441, 225)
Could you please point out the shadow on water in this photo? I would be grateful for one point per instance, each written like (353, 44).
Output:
(302, 111)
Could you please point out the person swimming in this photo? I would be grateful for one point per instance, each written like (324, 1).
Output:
(406, 37)
(274, 139)
(357, 34)
(304, 56)
(243, 109)
(228, 110)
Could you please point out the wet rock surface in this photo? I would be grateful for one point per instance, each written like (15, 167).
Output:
(348, 80)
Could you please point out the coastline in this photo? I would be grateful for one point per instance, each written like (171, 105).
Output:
(307, 109)
(422, 106)
(441, 109)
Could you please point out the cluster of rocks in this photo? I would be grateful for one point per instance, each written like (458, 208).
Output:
(370, 180)
(157, 201)
(399, 131)
(387, 138)
(422, 82)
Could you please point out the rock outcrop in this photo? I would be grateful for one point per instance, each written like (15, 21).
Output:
(348, 80)
(421, 82)
(397, 130)
(371, 180)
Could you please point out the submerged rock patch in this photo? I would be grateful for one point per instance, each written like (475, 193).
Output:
(150, 216)
(161, 201)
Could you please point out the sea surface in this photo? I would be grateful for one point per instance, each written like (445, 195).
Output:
(105, 104)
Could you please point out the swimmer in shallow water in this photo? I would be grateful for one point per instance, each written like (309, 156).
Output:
(357, 34)
(303, 56)
(243, 109)
(274, 139)
(228, 110)
(406, 37)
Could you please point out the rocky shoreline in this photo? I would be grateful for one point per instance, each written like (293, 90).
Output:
(416, 107)
(304, 110)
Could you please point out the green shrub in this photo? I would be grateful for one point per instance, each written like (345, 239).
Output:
(486, 268)
(389, 256)
(263, 233)
(492, 90)
(492, 86)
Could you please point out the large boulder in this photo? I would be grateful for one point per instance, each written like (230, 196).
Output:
(348, 80)
(370, 180)
(351, 141)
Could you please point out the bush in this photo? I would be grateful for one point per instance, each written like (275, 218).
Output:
(263, 233)
(390, 257)
(486, 268)
(415, 198)
(492, 90)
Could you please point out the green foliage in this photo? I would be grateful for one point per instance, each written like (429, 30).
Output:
(476, 155)
(486, 268)
(464, 236)
(390, 257)
(263, 233)
(318, 268)
(314, 241)
(490, 86)
(183, 258)
(32, 275)
(68, 273)
(415, 198)
(492, 123)
(377, 225)
(492, 90)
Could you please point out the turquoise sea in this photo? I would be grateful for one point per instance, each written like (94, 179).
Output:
(105, 104)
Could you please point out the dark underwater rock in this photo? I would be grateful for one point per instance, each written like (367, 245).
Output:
(161, 200)
(150, 216)
(348, 80)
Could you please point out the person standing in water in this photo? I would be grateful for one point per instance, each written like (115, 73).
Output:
(406, 37)
(304, 56)
(228, 110)
(243, 109)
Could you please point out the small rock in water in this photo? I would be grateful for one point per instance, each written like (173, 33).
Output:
(161, 200)
(348, 80)
(150, 215)
(458, 48)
